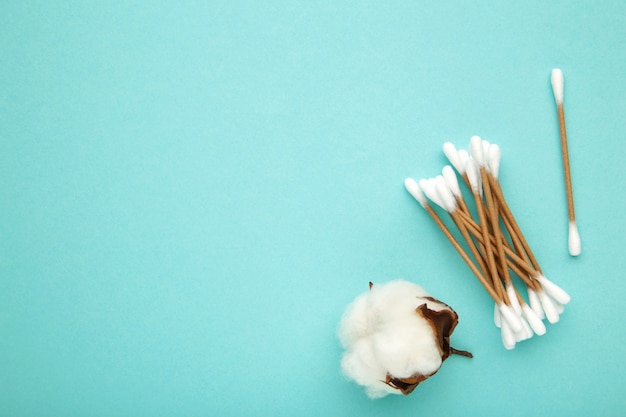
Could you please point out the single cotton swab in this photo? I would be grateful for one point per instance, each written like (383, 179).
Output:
(574, 244)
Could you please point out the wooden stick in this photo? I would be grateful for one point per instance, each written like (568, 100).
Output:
(463, 254)
(520, 266)
(515, 229)
(495, 227)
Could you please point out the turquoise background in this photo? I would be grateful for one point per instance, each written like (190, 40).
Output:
(191, 193)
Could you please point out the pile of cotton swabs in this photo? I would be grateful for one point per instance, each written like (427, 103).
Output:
(498, 248)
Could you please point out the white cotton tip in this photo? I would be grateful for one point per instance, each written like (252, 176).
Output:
(558, 306)
(510, 292)
(485, 153)
(554, 290)
(432, 186)
(473, 175)
(508, 337)
(445, 194)
(463, 156)
(497, 317)
(428, 187)
(510, 317)
(413, 188)
(533, 320)
(524, 334)
(476, 150)
(493, 160)
(450, 152)
(573, 242)
(451, 180)
(556, 78)
(548, 307)
(535, 303)
(486, 146)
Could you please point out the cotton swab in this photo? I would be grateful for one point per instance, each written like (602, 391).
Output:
(478, 145)
(509, 313)
(495, 250)
(414, 189)
(446, 200)
(521, 332)
(574, 244)
(553, 290)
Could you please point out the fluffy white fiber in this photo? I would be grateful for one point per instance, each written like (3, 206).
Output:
(385, 337)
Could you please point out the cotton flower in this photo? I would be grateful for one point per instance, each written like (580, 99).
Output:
(395, 336)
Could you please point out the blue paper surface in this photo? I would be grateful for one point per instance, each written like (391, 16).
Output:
(192, 193)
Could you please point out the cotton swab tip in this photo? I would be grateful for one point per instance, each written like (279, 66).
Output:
(428, 188)
(548, 307)
(493, 159)
(463, 158)
(573, 242)
(411, 186)
(535, 322)
(451, 153)
(510, 292)
(556, 78)
(445, 194)
(476, 149)
(473, 175)
(508, 336)
(535, 303)
(526, 332)
(450, 177)
(554, 290)
(511, 317)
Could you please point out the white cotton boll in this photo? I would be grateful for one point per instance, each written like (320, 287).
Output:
(380, 390)
(395, 336)
(405, 348)
(355, 321)
(392, 301)
(360, 364)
